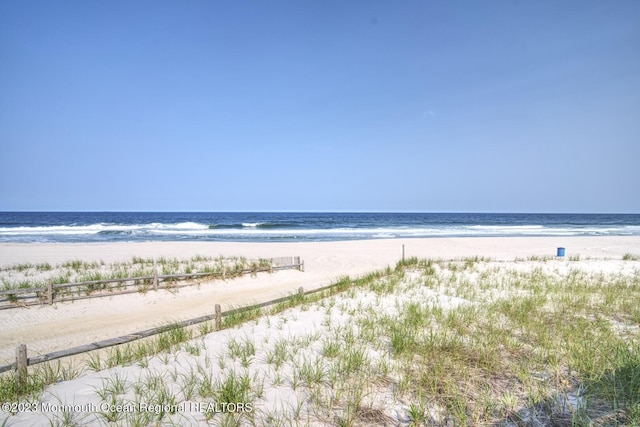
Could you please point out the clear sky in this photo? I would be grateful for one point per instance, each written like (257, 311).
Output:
(491, 106)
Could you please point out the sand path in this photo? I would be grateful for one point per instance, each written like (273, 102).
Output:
(50, 328)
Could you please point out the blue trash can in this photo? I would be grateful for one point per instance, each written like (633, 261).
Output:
(560, 252)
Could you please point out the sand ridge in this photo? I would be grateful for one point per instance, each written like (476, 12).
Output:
(50, 328)
(303, 364)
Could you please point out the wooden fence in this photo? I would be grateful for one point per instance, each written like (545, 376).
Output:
(22, 360)
(53, 293)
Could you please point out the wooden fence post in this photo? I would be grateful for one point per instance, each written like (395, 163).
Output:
(50, 292)
(21, 366)
(301, 291)
(218, 321)
(403, 254)
(155, 280)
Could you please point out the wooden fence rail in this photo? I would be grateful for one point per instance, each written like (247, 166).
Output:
(52, 293)
(22, 361)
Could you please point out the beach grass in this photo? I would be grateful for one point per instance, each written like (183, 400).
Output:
(26, 275)
(429, 342)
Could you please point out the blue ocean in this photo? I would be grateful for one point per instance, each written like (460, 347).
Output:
(81, 227)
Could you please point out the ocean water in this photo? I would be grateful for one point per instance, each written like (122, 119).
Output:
(261, 227)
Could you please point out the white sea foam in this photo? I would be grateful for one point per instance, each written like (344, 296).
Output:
(187, 226)
(254, 230)
(62, 229)
(99, 228)
(501, 227)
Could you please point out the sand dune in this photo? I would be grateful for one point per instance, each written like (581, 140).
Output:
(50, 328)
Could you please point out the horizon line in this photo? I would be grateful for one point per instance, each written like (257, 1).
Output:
(327, 212)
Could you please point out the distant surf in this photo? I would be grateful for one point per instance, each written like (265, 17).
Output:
(256, 227)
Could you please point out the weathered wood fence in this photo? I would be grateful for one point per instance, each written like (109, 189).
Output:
(53, 293)
(22, 361)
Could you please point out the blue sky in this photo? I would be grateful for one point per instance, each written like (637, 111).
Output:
(495, 106)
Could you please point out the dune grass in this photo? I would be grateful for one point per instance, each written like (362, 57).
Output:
(429, 342)
(27, 275)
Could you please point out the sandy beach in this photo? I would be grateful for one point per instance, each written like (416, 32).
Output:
(305, 330)
(50, 328)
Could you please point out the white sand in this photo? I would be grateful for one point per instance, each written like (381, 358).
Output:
(46, 329)
(308, 326)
